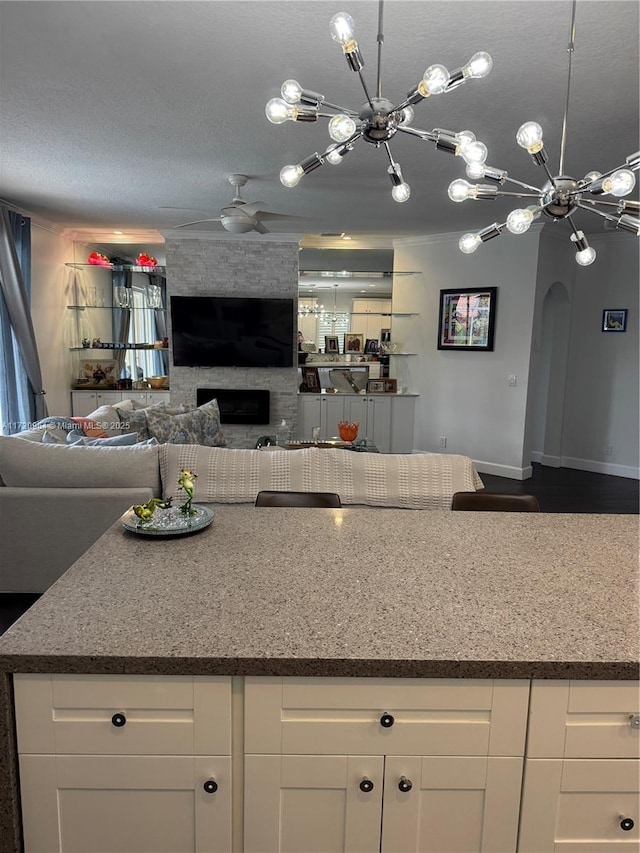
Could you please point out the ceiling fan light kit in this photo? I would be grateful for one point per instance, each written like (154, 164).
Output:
(378, 119)
(561, 195)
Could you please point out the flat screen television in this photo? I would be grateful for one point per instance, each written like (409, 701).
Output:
(225, 331)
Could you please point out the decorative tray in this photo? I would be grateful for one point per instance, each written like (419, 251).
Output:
(168, 522)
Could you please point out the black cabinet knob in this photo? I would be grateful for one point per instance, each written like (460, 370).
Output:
(119, 720)
(626, 824)
(210, 786)
(366, 785)
(405, 784)
(386, 721)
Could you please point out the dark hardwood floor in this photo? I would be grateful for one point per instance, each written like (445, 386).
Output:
(557, 490)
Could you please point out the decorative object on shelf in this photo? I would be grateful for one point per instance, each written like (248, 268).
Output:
(98, 374)
(348, 431)
(614, 320)
(349, 381)
(145, 260)
(308, 346)
(145, 511)
(353, 342)
(331, 344)
(371, 345)
(310, 380)
(467, 319)
(390, 386)
(375, 386)
(377, 120)
(98, 260)
(158, 382)
(561, 195)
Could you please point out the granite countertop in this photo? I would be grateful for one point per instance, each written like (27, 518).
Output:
(351, 592)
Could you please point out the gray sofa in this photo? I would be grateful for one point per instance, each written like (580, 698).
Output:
(57, 499)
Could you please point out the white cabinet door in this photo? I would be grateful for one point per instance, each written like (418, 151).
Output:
(379, 411)
(450, 804)
(580, 806)
(85, 402)
(312, 803)
(332, 411)
(309, 414)
(122, 804)
(402, 424)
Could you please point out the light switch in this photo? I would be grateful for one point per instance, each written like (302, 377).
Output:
(513, 380)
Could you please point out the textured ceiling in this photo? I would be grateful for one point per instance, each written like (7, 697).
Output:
(111, 111)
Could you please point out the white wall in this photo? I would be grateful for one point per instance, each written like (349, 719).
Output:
(591, 394)
(50, 282)
(601, 402)
(464, 395)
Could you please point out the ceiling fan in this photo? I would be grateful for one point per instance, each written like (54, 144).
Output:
(240, 216)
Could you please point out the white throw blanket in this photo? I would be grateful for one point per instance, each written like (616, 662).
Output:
(407, 481)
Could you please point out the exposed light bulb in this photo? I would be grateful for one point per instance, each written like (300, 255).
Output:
(479, 65)
(465, 137)
(586, 256)
(474, 152)
(536, 211)
(620, 183)
(342, 29)
(408, 114)
(459, 190)
(529, 136)
(475, 171)
(401, 192)
(341, 127)
(278, 111)
(290, 175)
(333, 156)
(592, 176)
(291, 91)
(468, 243)
(518, 221)
(434, 81)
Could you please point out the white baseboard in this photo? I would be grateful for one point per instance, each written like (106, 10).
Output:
(601, 467)
(544, 459)
(509, 471)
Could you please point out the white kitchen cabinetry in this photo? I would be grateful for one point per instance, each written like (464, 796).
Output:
(582, 774)
(85, 402)
(124, 764)
(385, 419)
(370, 316)
(420, 765)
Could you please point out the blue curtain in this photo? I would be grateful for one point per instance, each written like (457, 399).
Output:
(21, 392)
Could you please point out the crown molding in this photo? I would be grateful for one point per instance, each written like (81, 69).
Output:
(226, 237)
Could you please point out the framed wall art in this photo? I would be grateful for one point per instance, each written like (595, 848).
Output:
(331, 343)
(467, 319)
(614, 320)
(310, 380)
(371, 345)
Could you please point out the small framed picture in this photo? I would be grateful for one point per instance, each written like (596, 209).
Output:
(390, 386)
(375, 386)
(310, 380)
(353, 342)
(371, 345)
(331, 343)
(614, 320)
(385, 336)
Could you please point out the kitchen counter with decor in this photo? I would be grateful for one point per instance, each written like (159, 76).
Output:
(328, 600)
(350, 592)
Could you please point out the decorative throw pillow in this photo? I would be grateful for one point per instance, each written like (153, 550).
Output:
(134, 421)
(50, 436)
(200, 426)
(90, 427)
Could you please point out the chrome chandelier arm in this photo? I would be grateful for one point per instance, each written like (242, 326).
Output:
(570, 48)
(536, 194)
(521, 184)
(380, 41)
(427, 135)
(338, 108)
(366, 91)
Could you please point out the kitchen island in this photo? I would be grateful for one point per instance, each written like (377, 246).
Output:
(351, 593)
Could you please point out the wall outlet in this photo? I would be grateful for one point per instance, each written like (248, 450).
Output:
(443, 441)
(512, 380)
(608, 451)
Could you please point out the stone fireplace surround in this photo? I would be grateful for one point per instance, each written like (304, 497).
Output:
(202, 264)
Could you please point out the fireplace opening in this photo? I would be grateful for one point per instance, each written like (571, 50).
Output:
(237, 405)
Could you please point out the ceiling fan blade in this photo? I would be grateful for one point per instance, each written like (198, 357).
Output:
(265, 215)
(196, 222)
(260, 228)
(251, 208)
(171, 207)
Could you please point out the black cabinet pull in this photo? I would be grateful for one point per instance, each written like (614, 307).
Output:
(119, 720)
(626, 824)
(405, 784)
(386, 720)
(366, 785)
(210, 786)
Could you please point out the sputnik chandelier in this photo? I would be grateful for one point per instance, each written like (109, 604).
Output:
(377, 120)
(561, 195)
